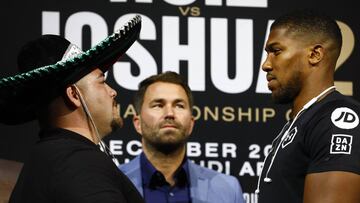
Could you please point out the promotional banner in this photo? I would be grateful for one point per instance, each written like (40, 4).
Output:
(216, 45)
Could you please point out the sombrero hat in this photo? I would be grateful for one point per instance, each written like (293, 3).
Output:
(50, 63)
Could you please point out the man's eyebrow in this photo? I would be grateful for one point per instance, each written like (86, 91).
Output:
(157, 100)
(160, 100)
(179, 100)
(270, 46)
(101, 75)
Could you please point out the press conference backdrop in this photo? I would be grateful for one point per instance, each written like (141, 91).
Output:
(216, 45)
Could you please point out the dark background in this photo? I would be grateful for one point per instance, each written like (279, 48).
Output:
(22, 21)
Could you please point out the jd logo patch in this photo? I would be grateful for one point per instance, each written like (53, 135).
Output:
(341, 144)
(289, 137)
(344, 118)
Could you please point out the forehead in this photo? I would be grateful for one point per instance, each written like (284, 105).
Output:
(96, 73)
(164, 90)
(91, 77)
(280, 35)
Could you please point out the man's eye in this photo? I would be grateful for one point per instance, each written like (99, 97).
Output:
(180, 106)
(277, 51)
(157, 105)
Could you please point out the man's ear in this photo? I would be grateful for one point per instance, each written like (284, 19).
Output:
(316, 54)
(71, 97)
(137, 123)
(192, 125)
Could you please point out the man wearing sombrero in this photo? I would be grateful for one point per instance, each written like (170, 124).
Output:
(65, 90)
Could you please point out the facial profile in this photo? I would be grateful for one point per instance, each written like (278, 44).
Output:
(284, 65)
(302, 46)
(100, 100)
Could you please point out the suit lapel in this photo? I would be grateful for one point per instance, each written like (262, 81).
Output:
(198, 184)
(133, 171)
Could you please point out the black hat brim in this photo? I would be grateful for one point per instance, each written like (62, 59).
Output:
(22, 95)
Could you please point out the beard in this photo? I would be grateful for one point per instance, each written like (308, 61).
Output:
(117, 122)
(166, 148)
(165, 141)
(287, 93)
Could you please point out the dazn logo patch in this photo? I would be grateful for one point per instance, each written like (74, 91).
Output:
(341, 144)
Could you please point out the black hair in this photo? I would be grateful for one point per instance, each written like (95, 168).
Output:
(310, 22)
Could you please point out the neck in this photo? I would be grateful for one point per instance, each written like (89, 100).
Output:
(167, 164)
(84, 132)
(76, 124)
(306, 101)
(59, 114)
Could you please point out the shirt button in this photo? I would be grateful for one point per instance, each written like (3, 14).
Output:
(171, 194)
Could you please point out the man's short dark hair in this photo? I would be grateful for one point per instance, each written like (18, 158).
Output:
(168, 77)
(310, 22)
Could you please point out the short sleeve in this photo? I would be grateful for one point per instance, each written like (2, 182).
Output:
(333, 140)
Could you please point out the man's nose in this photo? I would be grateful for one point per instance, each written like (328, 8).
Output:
(266, 66)
(113, 92)
(169, 112)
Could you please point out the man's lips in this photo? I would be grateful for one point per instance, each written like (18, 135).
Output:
(168, 126)
(270, 77)
(115, 104)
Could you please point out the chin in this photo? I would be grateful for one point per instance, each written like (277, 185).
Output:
(282, 98)
(169, 147)
(117, 123)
